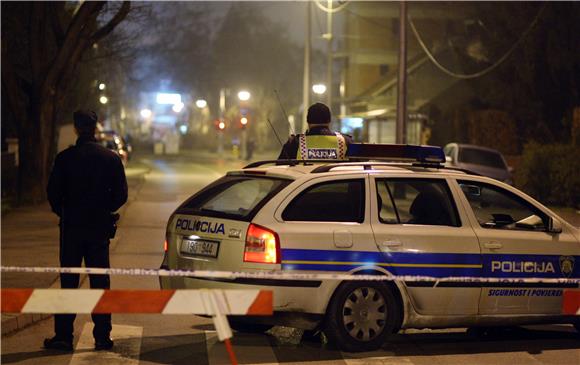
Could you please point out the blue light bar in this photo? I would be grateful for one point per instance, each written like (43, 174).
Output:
(397, 152)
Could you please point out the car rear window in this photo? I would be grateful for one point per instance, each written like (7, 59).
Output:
(334, 201)
(233, 197)
(481, 157)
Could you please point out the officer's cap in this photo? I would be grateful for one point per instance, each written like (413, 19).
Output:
(318, 113)
(85, 120)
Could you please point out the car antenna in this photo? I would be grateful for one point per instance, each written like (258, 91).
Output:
(275, 133)
(284, 111)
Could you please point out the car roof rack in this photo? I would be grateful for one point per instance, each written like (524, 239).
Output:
(290, 162)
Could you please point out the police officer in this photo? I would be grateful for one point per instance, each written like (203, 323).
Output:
(86, 185)
(319, 142)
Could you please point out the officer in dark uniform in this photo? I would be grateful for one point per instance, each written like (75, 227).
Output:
(86, 185)
(319, 142)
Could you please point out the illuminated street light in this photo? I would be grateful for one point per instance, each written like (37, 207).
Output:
(178, 107)
(146, 113)
(319, 89)
(102, 86)
(200, 103)
(244, 95)
(244, 120)
(103, 99)
(221, 126)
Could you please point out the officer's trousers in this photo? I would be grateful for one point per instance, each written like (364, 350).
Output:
(77, 245)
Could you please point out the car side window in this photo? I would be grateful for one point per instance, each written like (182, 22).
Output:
(416, 201)
(498, 208)
(336, 201)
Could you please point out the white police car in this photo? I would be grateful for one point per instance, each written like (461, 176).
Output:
(382, 219)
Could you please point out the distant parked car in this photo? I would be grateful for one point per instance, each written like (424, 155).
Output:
(480, 160)
(114, 142)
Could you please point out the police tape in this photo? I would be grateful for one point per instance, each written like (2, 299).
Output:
(285, 275)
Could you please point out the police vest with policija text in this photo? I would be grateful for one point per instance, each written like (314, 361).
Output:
(319, 147)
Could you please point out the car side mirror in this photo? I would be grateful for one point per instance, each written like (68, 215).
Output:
(554, 226)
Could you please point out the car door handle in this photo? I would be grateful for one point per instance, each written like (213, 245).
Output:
(493, 245)
(392, 243)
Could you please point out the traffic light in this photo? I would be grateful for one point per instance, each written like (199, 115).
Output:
(219, 125)
(243, 122)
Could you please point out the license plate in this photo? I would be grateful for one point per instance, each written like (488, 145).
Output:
(200, 247)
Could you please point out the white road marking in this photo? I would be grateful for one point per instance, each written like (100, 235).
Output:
(360, 359)
(252, 349)
(125, 351)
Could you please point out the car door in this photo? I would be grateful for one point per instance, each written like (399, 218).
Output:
(516, 243)
(420, 230)
(323, 225)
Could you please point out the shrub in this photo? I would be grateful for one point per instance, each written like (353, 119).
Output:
(551, 173)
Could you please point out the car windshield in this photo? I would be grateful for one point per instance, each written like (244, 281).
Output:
(481, 157)
(234, 197)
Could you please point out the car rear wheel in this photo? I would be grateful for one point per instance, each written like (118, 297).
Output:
(247, 327)
(361, 315)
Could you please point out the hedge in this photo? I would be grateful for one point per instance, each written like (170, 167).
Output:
(551, 173)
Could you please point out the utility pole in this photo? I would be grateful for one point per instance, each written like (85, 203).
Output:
(401, 136)
(222, 119)
(329, 56)
(306, 80)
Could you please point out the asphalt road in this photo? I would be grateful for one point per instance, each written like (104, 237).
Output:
(156, 339)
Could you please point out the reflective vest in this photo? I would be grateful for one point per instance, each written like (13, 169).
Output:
(317, 147)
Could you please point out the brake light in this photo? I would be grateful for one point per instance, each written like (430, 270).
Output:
(262, 245)
(165, 246)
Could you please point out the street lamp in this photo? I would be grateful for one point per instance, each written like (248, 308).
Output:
(178, 107)
(244, 95)
(319, 89)
(146, 113)
(200, 103)
(103, 99)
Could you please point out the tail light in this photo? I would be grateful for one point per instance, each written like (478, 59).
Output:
(165, 246)
(262, 245)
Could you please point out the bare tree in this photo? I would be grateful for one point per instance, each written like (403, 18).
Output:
(42, 43)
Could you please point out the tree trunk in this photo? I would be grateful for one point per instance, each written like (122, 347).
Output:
(37, 139)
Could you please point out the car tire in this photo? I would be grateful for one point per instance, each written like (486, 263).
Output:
(361, 316)
(248, 327)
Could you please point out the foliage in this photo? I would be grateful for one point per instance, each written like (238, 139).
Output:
(42, 45)
(550, 173)
(539, 84)
(495, 129)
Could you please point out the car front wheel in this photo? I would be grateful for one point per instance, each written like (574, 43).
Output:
(361, 316)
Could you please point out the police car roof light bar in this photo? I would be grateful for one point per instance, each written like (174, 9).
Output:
(397, 152)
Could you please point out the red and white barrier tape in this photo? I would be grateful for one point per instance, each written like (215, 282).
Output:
(183, 301)
(279, 275)
(212, 302)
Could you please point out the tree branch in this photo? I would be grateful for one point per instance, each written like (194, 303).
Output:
(115, 20)
(55, 23)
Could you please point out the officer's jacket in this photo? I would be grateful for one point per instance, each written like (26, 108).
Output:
(316, 143)
(86, 184)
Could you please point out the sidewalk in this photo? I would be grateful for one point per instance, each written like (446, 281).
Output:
(30, 238)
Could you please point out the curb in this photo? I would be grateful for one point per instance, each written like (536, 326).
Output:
(11, 323)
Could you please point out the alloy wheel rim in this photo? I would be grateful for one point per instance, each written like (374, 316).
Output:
(364, 314)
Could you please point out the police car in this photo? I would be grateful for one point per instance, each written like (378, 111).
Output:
(380, 218)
